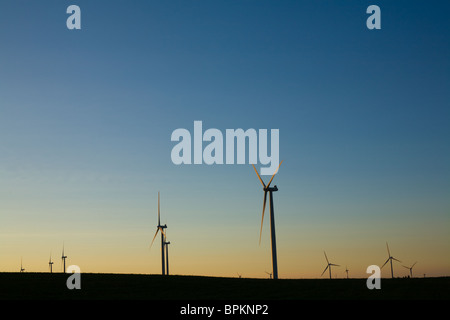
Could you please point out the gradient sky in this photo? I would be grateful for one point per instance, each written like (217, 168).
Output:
(86, 118)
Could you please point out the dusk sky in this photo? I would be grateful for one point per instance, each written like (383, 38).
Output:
(86, 118)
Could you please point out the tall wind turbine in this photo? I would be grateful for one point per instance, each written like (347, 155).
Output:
(21, 268)
(346, 270)
(63, 258)
(161, 228)
(267, 188)
(390, 259)
(50, 264)
(410, 268)
(328, 265)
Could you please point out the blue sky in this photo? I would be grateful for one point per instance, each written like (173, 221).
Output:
(86, 117)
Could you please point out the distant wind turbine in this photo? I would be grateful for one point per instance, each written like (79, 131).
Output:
(346, 270)
(63, 258)
(50, 263)
(270, 275)
(410, 268)
(390, 259)
(328, 265)
(21, 268)
(161, 228)
(166, 243)
(268, 189)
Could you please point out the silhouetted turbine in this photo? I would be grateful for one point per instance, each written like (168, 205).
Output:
(328, 265)
(50, 264)
(268, 189)
(166, 243)
(63, 257)
(161, 228)
(390, 259)
(410, 268)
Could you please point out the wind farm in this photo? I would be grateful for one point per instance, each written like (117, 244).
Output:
(119, 122)
(288, 288)
(274, 275)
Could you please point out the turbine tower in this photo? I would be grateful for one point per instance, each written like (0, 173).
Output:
(50, 264)
(267, 188)
(390, 259)
(328, 265)
(21, 268)
(63, 258)
(161, 228)
(410, 268)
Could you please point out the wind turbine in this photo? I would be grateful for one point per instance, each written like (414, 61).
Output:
(410, 268)
(346, 270)
(328, 265)
(50, 264)
(161, 228)
(239, 275)
(166, 243)
(268, 189)
(390, 259)
(270, 275)
(21, 268)
(63, 258)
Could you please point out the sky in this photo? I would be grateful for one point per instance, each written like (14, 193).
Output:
(86, 118)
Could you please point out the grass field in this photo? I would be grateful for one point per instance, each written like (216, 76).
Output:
(45, 286)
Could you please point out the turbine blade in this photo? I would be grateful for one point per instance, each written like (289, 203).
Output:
(326, 257)
(387, 246)
(274, 174)
(336, 265)
(259, 176)
(324, 270)
(385, 263)
(413, 264)
(405, 267)
(262, 219)
(158, 211)
(154, 237)
(396, 259)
